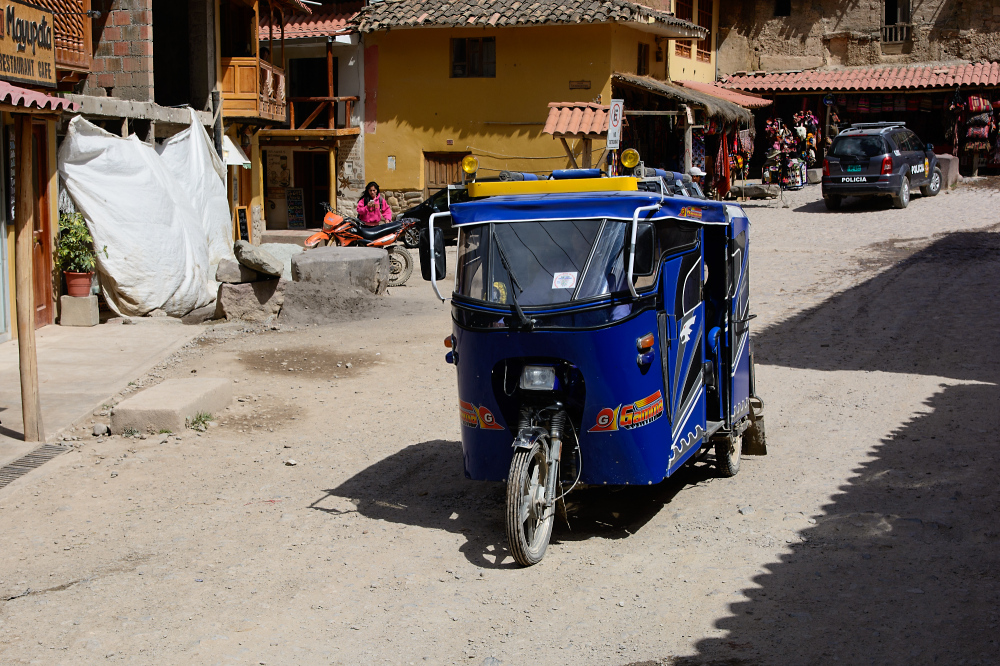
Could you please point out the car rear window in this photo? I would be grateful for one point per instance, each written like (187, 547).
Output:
(858, 146)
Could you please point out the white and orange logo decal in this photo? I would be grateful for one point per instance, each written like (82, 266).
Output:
(477, 417)
(636, 415)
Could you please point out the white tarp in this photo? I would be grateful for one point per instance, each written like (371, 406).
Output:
(143, 208)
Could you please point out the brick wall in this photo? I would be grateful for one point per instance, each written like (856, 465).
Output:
(124, 59)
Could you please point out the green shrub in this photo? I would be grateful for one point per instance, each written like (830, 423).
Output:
(75, 252)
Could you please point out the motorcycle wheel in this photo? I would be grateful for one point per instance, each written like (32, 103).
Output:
(411, 238)
(528, 527)
(400, 265)
(728, 451)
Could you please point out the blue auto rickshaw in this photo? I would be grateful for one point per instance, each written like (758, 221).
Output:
(601, 336)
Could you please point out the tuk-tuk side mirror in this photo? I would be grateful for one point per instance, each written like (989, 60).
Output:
(432, 254)
(645, 250)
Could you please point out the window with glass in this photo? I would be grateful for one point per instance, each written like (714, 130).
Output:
(474, 57)
(704, 48)
(684, 10)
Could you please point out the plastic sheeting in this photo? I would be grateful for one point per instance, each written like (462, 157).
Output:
(154, 249)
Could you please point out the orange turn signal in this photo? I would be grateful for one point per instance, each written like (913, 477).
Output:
(447, 342)
(645, 342)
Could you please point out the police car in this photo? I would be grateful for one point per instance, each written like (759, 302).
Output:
(872, 159)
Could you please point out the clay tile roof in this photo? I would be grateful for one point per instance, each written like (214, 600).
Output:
(15, 96)
(576, 118)
(321, 23)
(416, 13)
(901, 77)
(744, 100)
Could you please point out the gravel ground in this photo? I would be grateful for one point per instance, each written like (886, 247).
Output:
(867, 535)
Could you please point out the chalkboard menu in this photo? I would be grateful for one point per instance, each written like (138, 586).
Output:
(295, 199)
(241, 224)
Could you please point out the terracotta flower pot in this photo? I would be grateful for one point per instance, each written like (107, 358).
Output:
(78, 284)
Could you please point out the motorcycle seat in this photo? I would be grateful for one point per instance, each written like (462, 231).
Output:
(373, 233)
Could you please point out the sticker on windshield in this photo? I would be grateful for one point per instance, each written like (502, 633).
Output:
(564, 280)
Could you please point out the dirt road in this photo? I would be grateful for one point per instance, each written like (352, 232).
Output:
(868, 535)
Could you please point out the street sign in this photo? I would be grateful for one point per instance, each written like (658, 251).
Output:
(615, 116)
(26, 53)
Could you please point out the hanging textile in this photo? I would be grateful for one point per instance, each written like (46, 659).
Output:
(698, 149)
(722, 172)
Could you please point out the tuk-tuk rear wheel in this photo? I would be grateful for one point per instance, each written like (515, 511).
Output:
(728, 451)
(529, 523)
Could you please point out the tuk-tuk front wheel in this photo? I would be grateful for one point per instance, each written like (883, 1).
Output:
(728, 451)
(529, 522)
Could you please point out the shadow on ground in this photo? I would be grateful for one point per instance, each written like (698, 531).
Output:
(903, 567)
(423, 485)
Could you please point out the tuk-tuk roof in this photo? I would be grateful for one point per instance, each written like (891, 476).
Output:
(590, 205)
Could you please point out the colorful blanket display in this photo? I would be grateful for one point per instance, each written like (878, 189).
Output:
(974, 129)
(792, 150)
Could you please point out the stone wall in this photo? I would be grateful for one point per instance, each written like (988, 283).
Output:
(832, 33)
(123, 63)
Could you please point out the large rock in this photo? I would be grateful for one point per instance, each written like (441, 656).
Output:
(168, 405)
(315, 303)
(754, 191)
(283, 252)
(252, 301)
(256, 258)
(234, 273)
(365, 267)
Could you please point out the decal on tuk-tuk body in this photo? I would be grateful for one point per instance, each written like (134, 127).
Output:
(691, 212)
(481, 417)
(636, 415)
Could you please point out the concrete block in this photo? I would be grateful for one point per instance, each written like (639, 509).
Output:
(233, 272)
(365, 267)
(169, 405)
(75, 311)
(253, 301)
(814, 176)
(949, 170)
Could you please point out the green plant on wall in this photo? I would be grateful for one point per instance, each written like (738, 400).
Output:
(76, 246)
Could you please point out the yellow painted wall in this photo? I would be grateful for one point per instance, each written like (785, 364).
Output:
(691, 69)
(625, 51)
(420, 107)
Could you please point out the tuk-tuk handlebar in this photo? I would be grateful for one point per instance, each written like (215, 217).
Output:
(631, 244)
(430, 239)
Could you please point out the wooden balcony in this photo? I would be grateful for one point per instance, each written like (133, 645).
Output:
(897, 34)
(253, 88)
(321, 123)
(72, 36)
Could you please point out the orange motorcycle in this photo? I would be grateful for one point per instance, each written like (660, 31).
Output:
(349, 232)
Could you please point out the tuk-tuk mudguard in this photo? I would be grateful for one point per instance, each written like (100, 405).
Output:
(625, 436)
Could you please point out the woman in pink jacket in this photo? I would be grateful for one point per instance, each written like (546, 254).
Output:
(373, 209)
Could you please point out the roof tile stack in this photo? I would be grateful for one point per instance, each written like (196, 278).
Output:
(576, 118)
(499, 13)
(906, 77)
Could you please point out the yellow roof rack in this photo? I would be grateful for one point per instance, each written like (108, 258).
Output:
(493, 189)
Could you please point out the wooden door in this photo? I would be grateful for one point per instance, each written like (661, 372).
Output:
(442, 170)
(42, 249)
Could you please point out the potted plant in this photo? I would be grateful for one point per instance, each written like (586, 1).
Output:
(75, 254)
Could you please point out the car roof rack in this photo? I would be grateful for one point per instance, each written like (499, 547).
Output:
(877, 125)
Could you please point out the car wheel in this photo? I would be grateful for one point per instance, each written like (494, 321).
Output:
(832, 202)
(902, 198)
(411, 237)
(934, 185)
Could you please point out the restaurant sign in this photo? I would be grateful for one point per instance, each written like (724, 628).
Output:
(26, 48)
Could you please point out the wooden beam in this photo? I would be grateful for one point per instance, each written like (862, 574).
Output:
(313, 116)
(569, 152)
(333, 176)
(307, 135)
(653, 113)
(587, 149)
(270, 32)
(24, 243)
(332, 116)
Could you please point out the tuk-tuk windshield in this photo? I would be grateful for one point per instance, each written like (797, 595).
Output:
(552, 262)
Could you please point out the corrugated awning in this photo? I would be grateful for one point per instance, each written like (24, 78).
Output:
(577, 119)
(713, 106)
(325, 23)
(743, 99)
(30, 99)
(902, 77)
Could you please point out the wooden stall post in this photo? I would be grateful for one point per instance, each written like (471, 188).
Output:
(24, 241)
(333, 175)
(332, 116)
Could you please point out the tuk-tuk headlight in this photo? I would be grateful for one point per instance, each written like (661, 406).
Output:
(538, 378)
(630, 158)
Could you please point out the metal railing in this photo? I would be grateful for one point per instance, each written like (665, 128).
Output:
(894, 34)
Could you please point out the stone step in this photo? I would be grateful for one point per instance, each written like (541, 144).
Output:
(290, 236)
(168, 405)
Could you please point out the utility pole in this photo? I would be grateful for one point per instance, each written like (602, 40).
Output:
(24, 243)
